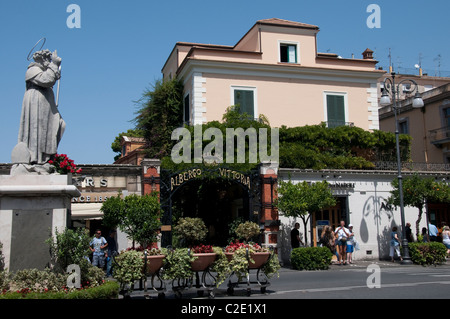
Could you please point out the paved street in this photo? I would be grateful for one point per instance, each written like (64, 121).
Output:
(388, 281)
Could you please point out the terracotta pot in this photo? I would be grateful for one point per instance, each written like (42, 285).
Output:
(259, 258)
(203, 261)
(154, 263)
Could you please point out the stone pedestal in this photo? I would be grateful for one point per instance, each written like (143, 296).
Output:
(31, 208)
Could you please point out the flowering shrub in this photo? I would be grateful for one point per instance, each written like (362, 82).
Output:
(232, 247)
(63, 164)
(151, 251)
(202, 249)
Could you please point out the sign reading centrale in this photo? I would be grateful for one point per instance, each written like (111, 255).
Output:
(99, 197)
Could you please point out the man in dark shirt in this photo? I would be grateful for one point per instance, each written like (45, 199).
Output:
(295, 236)
(112, 252)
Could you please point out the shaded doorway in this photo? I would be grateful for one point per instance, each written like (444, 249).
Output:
(217, 202)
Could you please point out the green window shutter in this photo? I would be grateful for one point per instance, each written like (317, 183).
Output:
(335, 110)
(245, 99)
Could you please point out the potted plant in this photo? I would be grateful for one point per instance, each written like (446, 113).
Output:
(192, 232)
(153, 258)
(204, 257)
(129, 269)
(248, 230)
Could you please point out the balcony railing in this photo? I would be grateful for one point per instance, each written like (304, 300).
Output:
(411, 166)
(440, 135)
(338, 123)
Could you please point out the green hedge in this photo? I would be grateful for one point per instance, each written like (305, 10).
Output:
(108, 290)
(311, 258)
(433, 253)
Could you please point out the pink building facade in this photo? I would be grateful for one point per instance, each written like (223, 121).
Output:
(275, 70)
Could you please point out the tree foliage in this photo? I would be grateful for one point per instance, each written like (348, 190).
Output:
(343, 147)
(137, 216)
(301, 199)
(418, 190)
(160, 112)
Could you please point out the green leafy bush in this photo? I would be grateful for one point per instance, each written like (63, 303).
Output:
(129, 267)
(69, 247)
(427, 253)
(108, 290)
(191, 231)
(248, 230)
(34, 280)
(178, 264)
(311, 258)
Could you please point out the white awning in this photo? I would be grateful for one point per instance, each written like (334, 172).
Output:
(86, 211)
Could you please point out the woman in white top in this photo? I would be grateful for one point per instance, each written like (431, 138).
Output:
(342, 235)
(446, 238)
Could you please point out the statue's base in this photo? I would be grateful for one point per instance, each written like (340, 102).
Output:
(31, 208)
(32, 169)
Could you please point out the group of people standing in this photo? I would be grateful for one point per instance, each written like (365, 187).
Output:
(340, 241)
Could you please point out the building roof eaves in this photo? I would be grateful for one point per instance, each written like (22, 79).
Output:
(281, 67)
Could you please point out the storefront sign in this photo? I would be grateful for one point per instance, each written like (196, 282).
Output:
(99, 197)
(179, 179)
(342, 185)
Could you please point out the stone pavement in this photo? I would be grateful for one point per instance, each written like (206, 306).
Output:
(192, 293)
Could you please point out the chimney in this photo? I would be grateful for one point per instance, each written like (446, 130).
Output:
(368, 54)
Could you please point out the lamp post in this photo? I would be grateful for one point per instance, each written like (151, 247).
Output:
(391, 87)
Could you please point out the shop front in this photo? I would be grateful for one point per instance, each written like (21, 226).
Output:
(361, 200)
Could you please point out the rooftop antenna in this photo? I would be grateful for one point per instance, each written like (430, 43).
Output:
(438, 59)
(390, 61)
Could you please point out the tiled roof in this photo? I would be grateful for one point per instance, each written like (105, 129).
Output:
(287, 23)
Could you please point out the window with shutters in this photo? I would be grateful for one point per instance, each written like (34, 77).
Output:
(245, 98)
(288, 52)
(336, 110)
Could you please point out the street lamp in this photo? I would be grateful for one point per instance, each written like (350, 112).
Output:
(391, 87)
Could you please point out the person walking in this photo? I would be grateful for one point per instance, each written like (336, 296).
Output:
(395, 244)
(295, 236)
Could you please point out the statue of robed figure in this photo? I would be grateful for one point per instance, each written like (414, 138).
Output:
(41, 124)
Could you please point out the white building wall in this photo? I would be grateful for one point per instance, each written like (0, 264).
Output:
(372, 218)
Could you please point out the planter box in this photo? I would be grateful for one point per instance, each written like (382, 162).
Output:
(154, 263)
(259, 258)
(203, 261)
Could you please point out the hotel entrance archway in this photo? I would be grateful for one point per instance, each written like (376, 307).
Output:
(219, 195)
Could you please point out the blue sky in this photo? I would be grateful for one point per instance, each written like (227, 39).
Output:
(122, 45)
